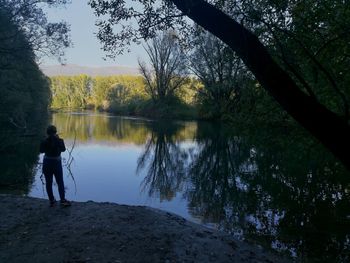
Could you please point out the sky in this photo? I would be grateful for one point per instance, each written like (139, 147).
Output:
(86, 49)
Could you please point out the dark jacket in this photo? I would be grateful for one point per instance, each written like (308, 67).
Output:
(52, 146)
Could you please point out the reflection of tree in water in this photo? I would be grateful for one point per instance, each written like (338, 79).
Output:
(164, 160)
(19, 154)
(217, 161)
(272, 190)
(100, 128)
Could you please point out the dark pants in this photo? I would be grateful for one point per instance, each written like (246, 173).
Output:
(52, 168)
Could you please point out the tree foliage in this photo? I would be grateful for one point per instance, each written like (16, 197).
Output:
(136, 20)
(229, 20)
(25, 35)
(23, 87)
(168, 69)
(111, 93)
(221, 72)
(70, 92)
(309, 39)
(119, 94)
(45, 38)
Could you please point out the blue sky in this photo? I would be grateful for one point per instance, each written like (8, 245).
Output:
(87, 49)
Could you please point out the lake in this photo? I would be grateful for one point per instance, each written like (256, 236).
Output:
(272, 186)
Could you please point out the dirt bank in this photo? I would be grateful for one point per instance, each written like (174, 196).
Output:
(31, 231)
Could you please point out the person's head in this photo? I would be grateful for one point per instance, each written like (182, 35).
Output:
(51, 130)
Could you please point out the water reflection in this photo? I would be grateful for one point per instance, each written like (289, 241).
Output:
(164, 158)
(271, 186)
(101, 128)
(19, 154)
(284, 192)
(215, 172)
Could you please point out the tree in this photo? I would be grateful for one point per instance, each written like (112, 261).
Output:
(168, 69)
(26, 35)
(24, 88)
(324, 124)
(70, 92)
(221, 72)
(308, 39)
(45, 38)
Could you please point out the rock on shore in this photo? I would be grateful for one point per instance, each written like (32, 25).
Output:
(31, 231)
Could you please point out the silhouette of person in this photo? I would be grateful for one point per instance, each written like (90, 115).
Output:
(52, 146)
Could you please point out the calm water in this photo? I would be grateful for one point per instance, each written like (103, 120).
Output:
(268, 186)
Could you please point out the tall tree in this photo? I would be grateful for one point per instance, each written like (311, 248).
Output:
(325, 125)
(222, 73)
(167, 67)
(25, 34)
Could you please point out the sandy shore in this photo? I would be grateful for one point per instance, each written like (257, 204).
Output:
(31, 231)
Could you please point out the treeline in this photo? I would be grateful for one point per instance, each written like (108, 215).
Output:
(127, 95)
(195, 99)
(111, 93)
(120, 94)
(210, 83)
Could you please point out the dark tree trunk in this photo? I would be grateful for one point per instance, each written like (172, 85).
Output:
(325, 125)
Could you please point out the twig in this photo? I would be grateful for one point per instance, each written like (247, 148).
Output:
(70, 160)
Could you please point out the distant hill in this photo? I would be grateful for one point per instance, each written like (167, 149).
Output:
(72, 70)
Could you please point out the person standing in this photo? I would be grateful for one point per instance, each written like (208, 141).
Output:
(52, 147)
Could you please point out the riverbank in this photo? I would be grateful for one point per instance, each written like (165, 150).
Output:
(31, 231)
